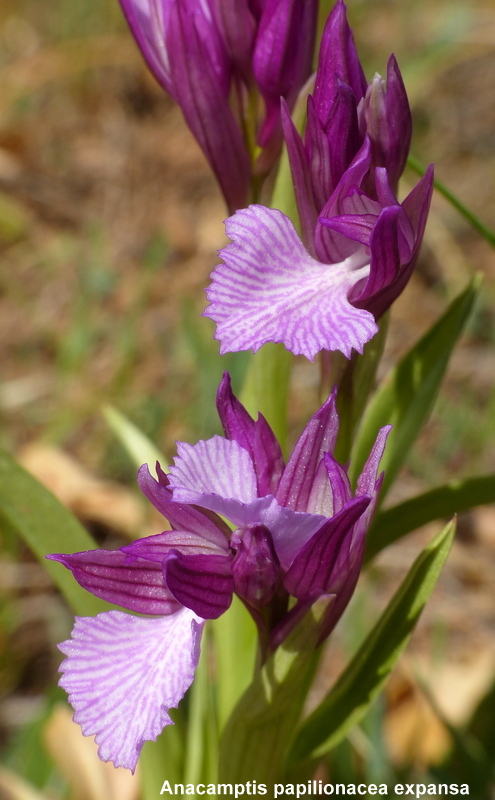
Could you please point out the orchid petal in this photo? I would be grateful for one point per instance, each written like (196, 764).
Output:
(217, 466)
(108, 574)
(271, 289)
(157, 547)
(203, 583)
(318, 437)
(123, 674)
(255, 437)
(312, 571)
(180, 515)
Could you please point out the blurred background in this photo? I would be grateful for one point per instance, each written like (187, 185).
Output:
(109, 226)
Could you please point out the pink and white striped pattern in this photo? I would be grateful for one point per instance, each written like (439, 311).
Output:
(269, 289)
(123, 674)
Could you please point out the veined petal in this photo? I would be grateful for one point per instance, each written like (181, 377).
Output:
(255, 437)
(318, 437)
(157, 547)
(312, 571)
(180, 515)
(203, 583)
(271, 290)
(137, 586)
(216, 466)
(123, 674)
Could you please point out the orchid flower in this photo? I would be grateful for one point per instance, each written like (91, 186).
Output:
(271, 288)
(217, 60)
(298, 531)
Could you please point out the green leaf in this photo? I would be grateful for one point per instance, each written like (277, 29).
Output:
(257, 737)
(487, 233)
(266, 388)
(46, 526)
(350, 698)
(406, 396)
(443, 502)
(137, 445)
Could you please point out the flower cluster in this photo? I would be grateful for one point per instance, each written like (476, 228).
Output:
(359, 244)
(221, 61)
(297, 530)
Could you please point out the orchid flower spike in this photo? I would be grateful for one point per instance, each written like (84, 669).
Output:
(213, 57)
(299, 531)
(341, 113)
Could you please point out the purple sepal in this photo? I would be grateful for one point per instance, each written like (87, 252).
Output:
(148, 27)
(332, 146)
(395, 243)
(282, 56)
(331, 246)
(338, 59)
(301, 177)
(204, 101)
(256, 568)
(157, 547)
(318, 437)
(388, 121)
(109, 574)
(181, 516)
(255, 437)
(237, 27)
(203, 583)
(312, 572)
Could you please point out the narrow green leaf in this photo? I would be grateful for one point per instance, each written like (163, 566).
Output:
(140, 449)
(487, 233)
(46, 526)
(201, 752)
(440, 503)
(406, 396)
(352, 695)
(258, 735)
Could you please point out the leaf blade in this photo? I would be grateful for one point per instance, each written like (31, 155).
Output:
(355, 690)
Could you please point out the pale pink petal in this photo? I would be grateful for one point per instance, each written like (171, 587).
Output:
(217, 466)
(123, 674)
(269, 289)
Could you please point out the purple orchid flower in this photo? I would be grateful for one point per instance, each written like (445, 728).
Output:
(211, 55)
(298, 531)
(362, 251)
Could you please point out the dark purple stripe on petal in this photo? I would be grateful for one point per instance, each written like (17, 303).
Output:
(180, 515)
(157, 547)
(301, 177)
(202, 583)
(318, 437)
(137, 586)
(312, 571)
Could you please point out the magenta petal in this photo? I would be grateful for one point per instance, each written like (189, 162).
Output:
(271, 290)
(256, 568)
(157, 547)
(203, 81)
(301, 178)
(137, 586)
(181, 516)
(312, 571)
(338, 59)
(255, 437)
(123, 674)
(202, 583)
(148, 22)
(318, 437)
(216, 466)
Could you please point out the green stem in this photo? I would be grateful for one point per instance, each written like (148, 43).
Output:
(487, 233)
(266, 387)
